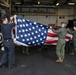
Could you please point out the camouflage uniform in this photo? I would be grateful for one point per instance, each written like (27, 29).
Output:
(60, 51)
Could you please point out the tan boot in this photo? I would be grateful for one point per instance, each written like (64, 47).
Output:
(62, 60)
(59, 60)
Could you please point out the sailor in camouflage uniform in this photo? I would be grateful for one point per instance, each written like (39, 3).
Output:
(60, 48)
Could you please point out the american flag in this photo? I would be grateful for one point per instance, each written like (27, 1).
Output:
(29, 33)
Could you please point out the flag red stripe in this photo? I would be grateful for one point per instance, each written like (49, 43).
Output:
(68, 37)
(52, 35)
(13, 31)
(55, 35)
(50, 42)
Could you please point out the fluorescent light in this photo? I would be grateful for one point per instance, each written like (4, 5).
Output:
(57, 4)
(18, 3)
(38, 2)
(71, 3)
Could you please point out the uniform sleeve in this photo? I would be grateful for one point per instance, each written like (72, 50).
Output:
(12, 25)
(1, 29)
(71, 32)
(57, 31)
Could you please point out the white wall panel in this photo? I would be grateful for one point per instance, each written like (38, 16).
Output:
(62, 15)
(33, 18)
(43, 19)
(66, 11)
(53, 20)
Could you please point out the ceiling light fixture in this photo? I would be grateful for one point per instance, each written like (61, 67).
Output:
(18, 3)
(38, 2)
(57, 4)
(71, 3)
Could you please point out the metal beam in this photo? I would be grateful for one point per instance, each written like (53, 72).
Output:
(5, 3)
(66, 2)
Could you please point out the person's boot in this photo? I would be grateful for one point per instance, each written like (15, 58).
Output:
(59, 60)
(62, 60)
(2, 65)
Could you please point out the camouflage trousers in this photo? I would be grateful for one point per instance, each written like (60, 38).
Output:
(60, 48)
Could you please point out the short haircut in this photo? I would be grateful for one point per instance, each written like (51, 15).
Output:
(3, 18)
(63, 23)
